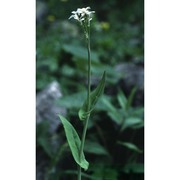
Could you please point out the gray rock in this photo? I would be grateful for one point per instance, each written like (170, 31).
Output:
(46, 107)
(133, 75)
(41, 10)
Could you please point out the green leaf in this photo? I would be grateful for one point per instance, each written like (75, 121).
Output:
(94, 97)
(95, 148)
(103, 172)
(130, 122)
(130, 98)
(116, 117)
(58, 156)
(106, 101)
(74, 142)
(45, 145)
(134, 168)
(130, 146)
(122, 100)
(73, 172)
(112, 111)
(72, 101)
(43, 138)
(98, 91)
(80, 52)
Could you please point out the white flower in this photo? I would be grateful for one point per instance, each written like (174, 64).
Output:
(82, 15)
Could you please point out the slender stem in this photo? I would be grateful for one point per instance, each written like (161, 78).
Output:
(89, 71)
(88, 107)
(79, 172)
(82, 146)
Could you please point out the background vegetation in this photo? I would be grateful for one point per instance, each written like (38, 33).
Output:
(115, 139)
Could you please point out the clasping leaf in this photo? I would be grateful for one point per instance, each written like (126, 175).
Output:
(94, 97)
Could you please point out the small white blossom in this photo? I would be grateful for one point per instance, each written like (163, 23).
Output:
(82, 15)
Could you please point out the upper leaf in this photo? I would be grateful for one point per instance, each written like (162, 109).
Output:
(94, 97)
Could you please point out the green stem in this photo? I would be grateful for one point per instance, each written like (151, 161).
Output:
(79, 172)
(82, 145)
(89, 72)
(88, 107)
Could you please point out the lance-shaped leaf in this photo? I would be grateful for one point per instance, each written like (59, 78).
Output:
(94, 96)
(130, 146)
(74, 142)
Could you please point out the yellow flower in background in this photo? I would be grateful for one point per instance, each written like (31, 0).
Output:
(105, 25)
(51, 18)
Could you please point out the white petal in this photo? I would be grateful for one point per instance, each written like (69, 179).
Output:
(72, 16)
(73, 12)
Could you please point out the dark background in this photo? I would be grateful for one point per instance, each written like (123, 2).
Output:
(115, 138)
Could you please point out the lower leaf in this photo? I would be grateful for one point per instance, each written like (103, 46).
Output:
(74, 143)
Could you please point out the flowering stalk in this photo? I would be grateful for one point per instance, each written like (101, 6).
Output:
(88, 100)
(84, 17)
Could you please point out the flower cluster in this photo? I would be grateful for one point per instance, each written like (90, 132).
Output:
(83, 15)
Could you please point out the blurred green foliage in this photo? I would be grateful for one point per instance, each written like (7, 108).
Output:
(114, 144)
